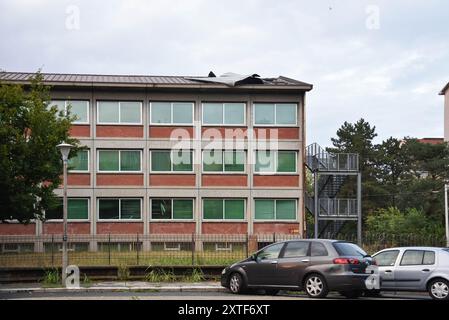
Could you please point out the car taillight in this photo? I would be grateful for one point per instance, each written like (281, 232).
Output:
(346, 261)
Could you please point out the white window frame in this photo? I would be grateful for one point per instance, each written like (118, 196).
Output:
(88, 164)
(176, 247)
(244, 124)
(276, 163)
(223, 219)
(172, 219)
(119, 208)
(223, 164)
(119, 161)
(74, 220)
(275, 211)
(275, 120)
(171, 163)
(119, 123)
(227, 246)
(171, 123)
(66, 102)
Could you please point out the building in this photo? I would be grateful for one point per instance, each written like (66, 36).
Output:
(445, 92)
(133, 179)
(431, 140)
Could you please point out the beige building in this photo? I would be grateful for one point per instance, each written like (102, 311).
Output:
(445, 92)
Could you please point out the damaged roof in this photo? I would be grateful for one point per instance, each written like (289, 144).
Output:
(226, 80)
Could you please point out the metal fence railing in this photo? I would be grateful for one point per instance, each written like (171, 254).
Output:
(165, 249)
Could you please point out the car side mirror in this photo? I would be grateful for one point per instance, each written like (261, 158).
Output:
(253, 257)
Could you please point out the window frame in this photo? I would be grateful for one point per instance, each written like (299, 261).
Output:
(276, 161)
(119, 123)
(275, 210)
(422, 260)
(203, 219)
(171, 201)
(119, 161)
(223, 163)
(76, 122)
(389, 251)
(275, 124)
(171, 162)
(88, 163)
(171, 123)
(74, 220)
(120, 209)
(244, 124)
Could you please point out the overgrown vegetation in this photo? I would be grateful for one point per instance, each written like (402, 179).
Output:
(51, 278)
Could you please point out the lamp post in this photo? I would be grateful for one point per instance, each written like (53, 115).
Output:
(446, 212)
(64, 148)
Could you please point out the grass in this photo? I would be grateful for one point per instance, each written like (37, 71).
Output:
(51, 278)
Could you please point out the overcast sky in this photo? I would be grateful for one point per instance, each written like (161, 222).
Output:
(384, 61)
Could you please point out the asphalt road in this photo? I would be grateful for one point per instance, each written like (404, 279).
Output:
(114, 295)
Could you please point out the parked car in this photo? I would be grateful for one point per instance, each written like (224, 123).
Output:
(316, 266)
(415, 269)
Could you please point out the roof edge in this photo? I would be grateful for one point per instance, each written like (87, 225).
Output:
(443, 91)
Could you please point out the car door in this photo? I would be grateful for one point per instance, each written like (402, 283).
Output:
(262, 270)
(291, 266)
(386, 262)
(414, 268)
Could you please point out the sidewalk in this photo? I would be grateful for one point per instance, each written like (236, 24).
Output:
(206, 286)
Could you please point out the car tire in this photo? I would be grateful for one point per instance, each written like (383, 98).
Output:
(353, 294)
(236, 283)
(271, 292)
(372, 293)
(439, 289)
(315, 286)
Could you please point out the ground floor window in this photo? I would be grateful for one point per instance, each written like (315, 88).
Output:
(223, 209)
(119, 209)
(275, 209)
(171, 246)
(119, 246)
(16, 247)
(172, 209)
(56, 247)
(77, 209)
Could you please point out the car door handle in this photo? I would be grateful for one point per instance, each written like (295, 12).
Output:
(274, 262)
(387, 271)
(305, 260)
(425, 270)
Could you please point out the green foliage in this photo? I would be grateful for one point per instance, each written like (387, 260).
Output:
(123, 272)
(30, 164)
(160, 275)
(52, 277)
(196, 276)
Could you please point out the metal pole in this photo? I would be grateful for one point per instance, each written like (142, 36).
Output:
(446, 211)
(64, 237)
(359, 208)
(315, 199)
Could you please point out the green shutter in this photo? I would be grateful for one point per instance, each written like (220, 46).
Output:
(160, 161)
(265, 161)
(286, 161)
(212, 160)
(182, 113)
(130, 160)
(182, 160)
(286, 113)
(213, 113)
(130, 209)
(285, 209)
(78, 208)
(108, 112)
(182, 209)
(234, 113)
(130, 112)
(234, 161)
(264, 210)
(80, 161)
(108, 160)
(213, 209)
(235, 209)
(161, 209)
(108, 209)
(160, 112)
(264, 113)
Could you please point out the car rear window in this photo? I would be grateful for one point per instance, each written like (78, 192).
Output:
(349, 249)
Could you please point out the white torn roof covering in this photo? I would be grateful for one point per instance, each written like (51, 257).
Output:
(231, 79)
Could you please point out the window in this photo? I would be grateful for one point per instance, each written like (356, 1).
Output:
(275, 209)
(271, 252)
(349, 249)
(172, 209)
(119, 246)
(224, 113)
(119, 209)
(80, 162)
(16, 247)
(275, 161)
(171, 113)
(223, 161)
(119, 112)
(318, 250)
(417, 257)
(77, 209)
(296, 249)
(386, 258)
(171, 246)
(171, 161)
(275, 114)
(119, 160)
(72, 247)
(78, 108)
(224, 209)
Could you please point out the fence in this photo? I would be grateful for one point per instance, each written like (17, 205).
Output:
(165, 250)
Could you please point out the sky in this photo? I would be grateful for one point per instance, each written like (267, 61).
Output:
(384, 61)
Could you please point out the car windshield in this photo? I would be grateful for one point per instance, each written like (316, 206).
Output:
(349, 249)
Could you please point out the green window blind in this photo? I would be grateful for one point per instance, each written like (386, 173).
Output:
(264, 210)
(108, 209)
(285, 209)
(77, 208)
(108, 160)
(182, 160)
(234, 209)
(160, 161)
(234, 161)
(161, 209)
(286, 161)
(213, 209)
(130, 209)
(80, 161)
(212, 160)
(182, 209)
(130, 160)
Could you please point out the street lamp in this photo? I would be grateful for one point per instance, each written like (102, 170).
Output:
(64, 148)
(446, 212)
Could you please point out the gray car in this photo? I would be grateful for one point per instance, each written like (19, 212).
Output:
(415, 269)
(315, 266)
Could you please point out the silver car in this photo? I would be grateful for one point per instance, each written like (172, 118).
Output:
(414, 269)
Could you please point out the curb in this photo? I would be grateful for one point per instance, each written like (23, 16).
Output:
(118, 289)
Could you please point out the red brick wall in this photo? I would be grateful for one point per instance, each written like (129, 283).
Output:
(122, 131)
(282, 133)
(119, 227)
(272, 227)
(276, 181)
(78, 179)
(224, 180)
(80, 130)
(72, 228)
(17, 229)
(224, 132)
(165, 132)
(224, 228)
(172, 180)
(172, 227)
(121, 179)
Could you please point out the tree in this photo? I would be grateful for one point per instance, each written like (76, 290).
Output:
(30, 164)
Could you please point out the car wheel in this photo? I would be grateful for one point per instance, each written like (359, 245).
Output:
(236, 284)
(439, 289)
(354, 294)
(315, 286)
(372, 293)
(271, 292)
